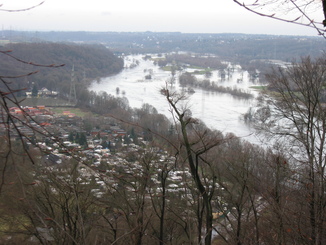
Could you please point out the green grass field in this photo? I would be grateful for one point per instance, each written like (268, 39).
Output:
(44, 101)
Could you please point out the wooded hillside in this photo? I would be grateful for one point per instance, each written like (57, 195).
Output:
(89, 61)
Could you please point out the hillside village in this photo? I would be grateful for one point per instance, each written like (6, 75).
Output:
(106, 153)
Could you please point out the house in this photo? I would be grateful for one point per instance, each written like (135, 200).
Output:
(44, 92)
(43, 124)
(66, 113)
(32, 111)
(16, 111)
(95, 132)
(116, 131)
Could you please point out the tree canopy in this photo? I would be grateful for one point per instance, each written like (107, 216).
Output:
(89, 61)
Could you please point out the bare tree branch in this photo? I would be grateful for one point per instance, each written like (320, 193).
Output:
(21, 10)
(303, 18)
(7, 52)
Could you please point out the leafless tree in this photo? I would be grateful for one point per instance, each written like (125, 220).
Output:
(9, 98)
(60, 205)
(299, 12)
(196, 143)
(295, 117)
(10, 121)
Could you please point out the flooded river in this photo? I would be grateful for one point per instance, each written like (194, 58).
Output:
(219, 111)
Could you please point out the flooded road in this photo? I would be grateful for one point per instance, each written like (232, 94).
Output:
(219, 111)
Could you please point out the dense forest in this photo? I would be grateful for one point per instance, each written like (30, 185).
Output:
(88, 61)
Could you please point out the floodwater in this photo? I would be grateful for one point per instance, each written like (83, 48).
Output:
(219, 111)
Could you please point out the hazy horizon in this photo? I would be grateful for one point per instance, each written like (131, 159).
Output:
(208, 16)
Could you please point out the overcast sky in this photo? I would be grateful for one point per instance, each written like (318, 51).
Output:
(188, 16)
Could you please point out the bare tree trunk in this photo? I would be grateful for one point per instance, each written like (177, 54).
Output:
(193, 159)
(163, 202)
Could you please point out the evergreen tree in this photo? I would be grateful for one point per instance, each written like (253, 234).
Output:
(71, 137)
(34, 91)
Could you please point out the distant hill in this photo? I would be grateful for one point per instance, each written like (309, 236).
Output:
(229, 46)
(89, 61)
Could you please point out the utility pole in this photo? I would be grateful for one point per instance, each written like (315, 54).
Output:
(72, 94)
